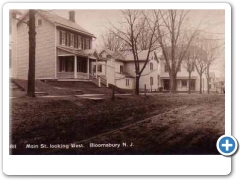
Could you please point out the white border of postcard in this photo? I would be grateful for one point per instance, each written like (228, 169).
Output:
(115, 164)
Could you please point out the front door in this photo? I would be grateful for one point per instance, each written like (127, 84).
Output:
(166, 84)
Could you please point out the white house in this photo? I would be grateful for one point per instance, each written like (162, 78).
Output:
(63, 48)
(120, 69)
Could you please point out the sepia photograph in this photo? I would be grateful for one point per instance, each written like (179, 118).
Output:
(116, 81)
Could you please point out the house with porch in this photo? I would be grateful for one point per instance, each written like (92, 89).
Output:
(120, 69)
(183, 82)
(63, 48)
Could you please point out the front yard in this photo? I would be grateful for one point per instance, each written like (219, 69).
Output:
(157, 124)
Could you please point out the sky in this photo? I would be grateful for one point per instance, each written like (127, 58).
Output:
(96, 22)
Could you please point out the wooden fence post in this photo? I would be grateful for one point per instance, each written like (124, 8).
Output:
(145, 89)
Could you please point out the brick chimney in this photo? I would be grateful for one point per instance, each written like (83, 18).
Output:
(72, 16)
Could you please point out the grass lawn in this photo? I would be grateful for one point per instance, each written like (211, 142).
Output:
(158, 124)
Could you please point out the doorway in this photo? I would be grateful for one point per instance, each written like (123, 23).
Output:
(166, 84)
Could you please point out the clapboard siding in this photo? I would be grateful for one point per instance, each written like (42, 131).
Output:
(45, 50)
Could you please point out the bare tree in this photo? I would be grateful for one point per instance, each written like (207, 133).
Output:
(32, 49)
(212, 49)
(130, 32)
(112, 42)
(189, 63)
(209, 52)
(172, 33)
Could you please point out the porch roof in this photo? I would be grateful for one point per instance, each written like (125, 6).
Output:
(181, 77)
(91, 53)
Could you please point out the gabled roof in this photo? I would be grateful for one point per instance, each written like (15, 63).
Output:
(127, 55)
(179, 51)
(62, 22)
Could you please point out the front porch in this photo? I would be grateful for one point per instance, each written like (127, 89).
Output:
(74, 67)
(182, 84)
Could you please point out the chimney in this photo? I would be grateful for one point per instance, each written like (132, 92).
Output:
(72, 16)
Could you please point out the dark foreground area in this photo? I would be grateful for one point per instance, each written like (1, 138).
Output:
(168, 124)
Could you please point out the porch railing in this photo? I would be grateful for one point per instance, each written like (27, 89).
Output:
(70, 75)
(99, 80)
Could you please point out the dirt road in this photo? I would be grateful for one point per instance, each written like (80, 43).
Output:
(184, 130)
(158, 124)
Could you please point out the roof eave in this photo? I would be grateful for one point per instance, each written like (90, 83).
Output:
(82, 32)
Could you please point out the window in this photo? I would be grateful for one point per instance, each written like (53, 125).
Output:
(184, 83)
(151, 81)
(62, 37)
(10, 58)
(151, 66)
(39, 22)
(75, 41)
(127, 82)
(82, 65)
(121, 69)
(79, 42)
(67, 39)
(108, 56)
(83, 43)
(90, 43)
(87, 43)
(72, 40)
(165, 68)
(66, 65)
(99, 68)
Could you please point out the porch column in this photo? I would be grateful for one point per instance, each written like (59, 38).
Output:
(96, 69)
(75, 67)
(106, 69)
(88, 65)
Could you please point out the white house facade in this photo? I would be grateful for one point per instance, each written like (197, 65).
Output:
(121, 69)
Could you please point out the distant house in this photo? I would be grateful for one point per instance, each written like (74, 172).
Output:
(182, 76)
(63, 48)
(212, 82)
(220, 85)
(120, 69)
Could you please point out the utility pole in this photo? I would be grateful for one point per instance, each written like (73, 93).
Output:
(32, 49)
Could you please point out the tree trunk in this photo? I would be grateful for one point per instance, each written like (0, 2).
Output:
(200, 92)
(137, 85)
(32, 46)
(208, 80)
(189, 82)
(208, 88)
(173, 82)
